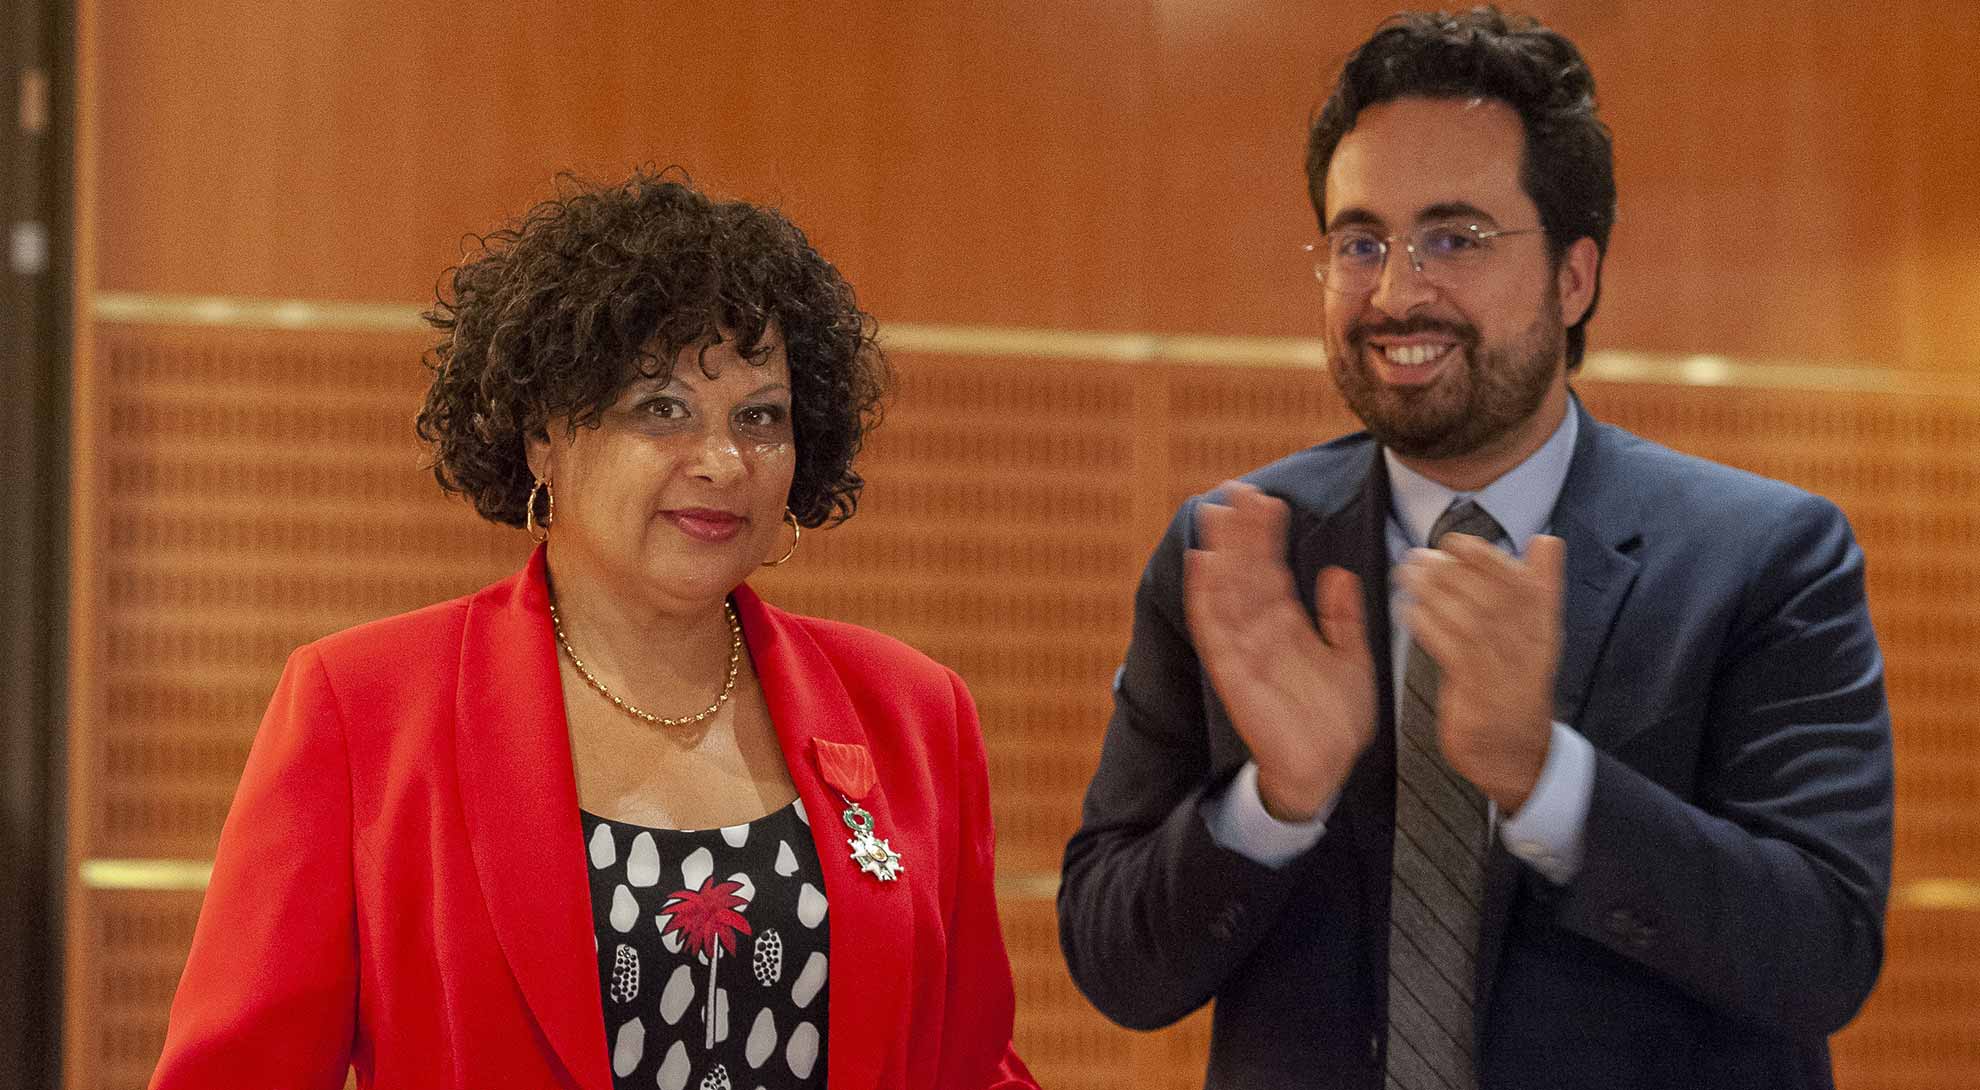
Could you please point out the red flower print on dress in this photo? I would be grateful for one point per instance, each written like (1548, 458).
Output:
(707, 921)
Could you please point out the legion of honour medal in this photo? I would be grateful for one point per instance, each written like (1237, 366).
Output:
(849, 770)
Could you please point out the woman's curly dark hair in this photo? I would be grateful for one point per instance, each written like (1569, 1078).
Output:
(556, 315)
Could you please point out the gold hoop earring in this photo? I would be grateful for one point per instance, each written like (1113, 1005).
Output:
(797, 532)
(539, 532)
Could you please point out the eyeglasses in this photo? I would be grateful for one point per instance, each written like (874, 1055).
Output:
(1350, 261)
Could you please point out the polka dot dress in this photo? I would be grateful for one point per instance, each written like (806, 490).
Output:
(711, 953)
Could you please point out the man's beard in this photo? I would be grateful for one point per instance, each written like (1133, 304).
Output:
(1467, 408)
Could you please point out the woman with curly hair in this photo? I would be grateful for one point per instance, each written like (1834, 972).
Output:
(615, 821)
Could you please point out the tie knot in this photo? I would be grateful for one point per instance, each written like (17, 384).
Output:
(1466, 517)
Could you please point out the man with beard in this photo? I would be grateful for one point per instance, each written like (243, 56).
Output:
(1493, 746)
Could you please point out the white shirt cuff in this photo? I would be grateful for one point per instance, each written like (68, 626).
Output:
(1547, 833)
(1238, 822)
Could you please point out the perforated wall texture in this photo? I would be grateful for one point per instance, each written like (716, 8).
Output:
(259, 489)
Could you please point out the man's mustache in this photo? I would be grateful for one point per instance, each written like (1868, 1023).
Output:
(1461, 332)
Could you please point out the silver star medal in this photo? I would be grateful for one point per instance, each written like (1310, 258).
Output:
(874, 855)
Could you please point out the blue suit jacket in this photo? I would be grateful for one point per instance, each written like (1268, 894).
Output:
(1728, 914)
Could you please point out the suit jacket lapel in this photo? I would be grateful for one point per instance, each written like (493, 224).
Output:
(1598, 519)
(871, 921)
(519, 798)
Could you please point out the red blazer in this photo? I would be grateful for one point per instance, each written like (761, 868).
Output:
(401, 883)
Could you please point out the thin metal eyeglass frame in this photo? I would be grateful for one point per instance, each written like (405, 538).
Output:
(1410, 242)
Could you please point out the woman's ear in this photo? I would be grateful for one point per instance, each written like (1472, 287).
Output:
(537, 451)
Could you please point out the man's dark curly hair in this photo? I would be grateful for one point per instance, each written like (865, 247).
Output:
(1568, 168)
(556, 315)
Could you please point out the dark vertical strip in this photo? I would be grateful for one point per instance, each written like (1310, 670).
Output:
(36, 157)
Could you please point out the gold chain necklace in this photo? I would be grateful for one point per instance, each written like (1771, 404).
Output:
(728, 685)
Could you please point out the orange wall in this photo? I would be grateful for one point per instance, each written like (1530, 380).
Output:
(1792, 186)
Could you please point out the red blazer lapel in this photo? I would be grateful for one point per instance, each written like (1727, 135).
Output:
(871, 922)
(519, 794)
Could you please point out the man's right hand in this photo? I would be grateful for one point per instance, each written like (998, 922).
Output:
(1303, 701)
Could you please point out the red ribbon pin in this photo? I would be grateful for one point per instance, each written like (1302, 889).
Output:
(848, 768)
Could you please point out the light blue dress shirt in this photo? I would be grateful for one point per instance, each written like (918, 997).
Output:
(1547, 832)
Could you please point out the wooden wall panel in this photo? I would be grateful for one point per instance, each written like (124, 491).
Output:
(1918, 1031)
(134, 944)
(257, 491)
(344, 150)
(1790, 187)
(1011, 505)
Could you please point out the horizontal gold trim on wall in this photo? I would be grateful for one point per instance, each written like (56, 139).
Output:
(168, 875)
(324, 316)
(193, 874)
(146, 874)
(1938, 893)
(316, 316)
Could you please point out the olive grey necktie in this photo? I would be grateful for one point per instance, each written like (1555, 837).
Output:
(1437, 880)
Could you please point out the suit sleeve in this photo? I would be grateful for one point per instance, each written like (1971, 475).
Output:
(1763, 894)
(269, 993)
(1154, 915)
(980, 998)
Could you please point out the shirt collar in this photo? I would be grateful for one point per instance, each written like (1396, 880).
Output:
(1522, 499)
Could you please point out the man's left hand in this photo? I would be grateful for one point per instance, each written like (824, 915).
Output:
(1492, 622)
